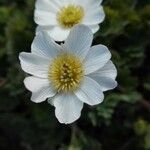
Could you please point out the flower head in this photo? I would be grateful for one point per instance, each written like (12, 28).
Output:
(69, 74)
(58, 17)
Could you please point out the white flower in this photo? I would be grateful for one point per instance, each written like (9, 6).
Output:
(69, 75)
(59, 16)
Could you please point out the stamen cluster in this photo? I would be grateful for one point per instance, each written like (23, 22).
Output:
(66, 72)
(69, 16)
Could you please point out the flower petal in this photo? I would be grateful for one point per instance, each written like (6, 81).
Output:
(104, 82)
(67, 2)
(42, 94)
(33, 83)
(45, 18)
(67, 108)
(94, 28)
(44, 46)
(58, 33)
(97, 57)
(41, 88)
(34, 64)
(90, 92)
(94, 16)
(48, 5)
(108, 70)
(88, 3)
(55, 32)
(51, 101)
(79, 41)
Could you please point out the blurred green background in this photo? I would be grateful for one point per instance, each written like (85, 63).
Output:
(121, 122)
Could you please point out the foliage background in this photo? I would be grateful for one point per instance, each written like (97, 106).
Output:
(121, 122)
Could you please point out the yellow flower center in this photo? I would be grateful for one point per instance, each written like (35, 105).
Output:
(66, 72)
(69, 16)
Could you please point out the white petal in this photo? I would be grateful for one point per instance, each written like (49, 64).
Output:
(88, 3)
(51, 101)
(40, 88)
(43, 28)
(90, 92)
(58, 33)
(42, 94)
(109, 71)
(34, 84)
(34, 64)
(94, 28)
(48, 5)
(67, 2)
(44, 46)
(46, 12)
(55, 32)
(104, 82)
(79, 40)
(45, 18)
(97, 57)
(94, 16)
(67, 108)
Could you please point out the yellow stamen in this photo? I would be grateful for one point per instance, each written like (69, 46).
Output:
(66, 72)
(69, 16)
